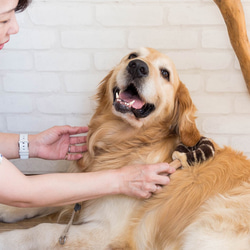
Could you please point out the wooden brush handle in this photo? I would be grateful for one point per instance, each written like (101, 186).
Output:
(175, 164)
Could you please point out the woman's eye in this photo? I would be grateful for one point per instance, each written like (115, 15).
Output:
(165, 73)
(6, 21)
(133, 55)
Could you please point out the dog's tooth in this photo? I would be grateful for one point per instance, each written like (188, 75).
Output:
(132, 102)
(117, 95)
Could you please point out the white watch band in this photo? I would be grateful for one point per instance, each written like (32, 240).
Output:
(23, 146)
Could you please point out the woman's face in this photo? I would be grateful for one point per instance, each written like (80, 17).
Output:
(8, 23)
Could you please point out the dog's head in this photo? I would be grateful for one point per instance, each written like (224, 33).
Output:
(144, 89)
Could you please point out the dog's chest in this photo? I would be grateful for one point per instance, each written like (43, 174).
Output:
(112, 212)
(116, 154)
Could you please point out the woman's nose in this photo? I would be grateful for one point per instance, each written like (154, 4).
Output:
(14, 27)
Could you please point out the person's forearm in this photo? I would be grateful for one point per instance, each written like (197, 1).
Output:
(57, 189)
(63, 189)
(9, 145)
(19, 190)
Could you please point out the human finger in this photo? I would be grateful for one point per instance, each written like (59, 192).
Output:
(77, 139)
(77, 149)
(154, 188)
(164, 168)
(73, 157)
(158, 189)
(74, 130)
(151, 189)
(145, 194)
(161, 180)
(80, 130)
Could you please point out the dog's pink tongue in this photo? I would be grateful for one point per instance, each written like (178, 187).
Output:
(127, 97)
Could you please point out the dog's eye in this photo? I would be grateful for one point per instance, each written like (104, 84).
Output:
(133, 55)
(165, 73)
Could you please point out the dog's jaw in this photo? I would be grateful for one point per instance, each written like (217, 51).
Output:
(129, 101)
(129, 118)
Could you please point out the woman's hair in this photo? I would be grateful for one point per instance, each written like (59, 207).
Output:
(22, 5)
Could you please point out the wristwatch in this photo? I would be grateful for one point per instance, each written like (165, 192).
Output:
(23, 146)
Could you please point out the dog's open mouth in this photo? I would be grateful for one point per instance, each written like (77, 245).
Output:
(129, 100)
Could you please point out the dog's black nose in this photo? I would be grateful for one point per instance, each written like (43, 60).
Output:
(137, 68)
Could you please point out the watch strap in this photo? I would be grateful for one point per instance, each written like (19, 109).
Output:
(23, 146)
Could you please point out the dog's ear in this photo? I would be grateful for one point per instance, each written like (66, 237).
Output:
(186, 126)
(102, 94)
(103, 105)
(103, 86)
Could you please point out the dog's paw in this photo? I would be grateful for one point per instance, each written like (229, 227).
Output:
(190, 156)
(10, 214)
(7, 213)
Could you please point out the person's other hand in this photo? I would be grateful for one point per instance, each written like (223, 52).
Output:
(143, 180)
(57, 143)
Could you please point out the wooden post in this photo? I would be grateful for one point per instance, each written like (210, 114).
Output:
(233, 14)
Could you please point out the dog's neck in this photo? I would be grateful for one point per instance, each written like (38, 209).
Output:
(121, 144)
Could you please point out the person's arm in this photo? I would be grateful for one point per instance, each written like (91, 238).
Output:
(51, 144)
(9, 145)
(58, 189)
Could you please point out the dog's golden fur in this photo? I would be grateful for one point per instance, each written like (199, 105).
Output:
(213, 197)
(204, 207)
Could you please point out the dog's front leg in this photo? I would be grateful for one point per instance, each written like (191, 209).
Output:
(43, 236)
(46, 236)
(10, 214)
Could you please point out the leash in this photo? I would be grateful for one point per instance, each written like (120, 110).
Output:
(63, 237)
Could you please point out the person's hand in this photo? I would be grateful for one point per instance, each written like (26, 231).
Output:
(142, 181)
(57, 143)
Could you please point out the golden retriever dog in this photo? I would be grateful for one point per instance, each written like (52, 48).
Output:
(143, 112)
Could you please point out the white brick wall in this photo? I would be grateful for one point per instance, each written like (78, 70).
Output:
(49, 71)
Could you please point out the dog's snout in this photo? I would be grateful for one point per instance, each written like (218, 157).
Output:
(138, 68)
